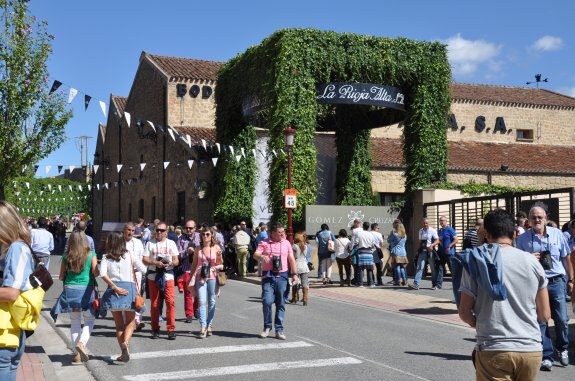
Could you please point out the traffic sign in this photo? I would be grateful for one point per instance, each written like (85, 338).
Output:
(290, 198)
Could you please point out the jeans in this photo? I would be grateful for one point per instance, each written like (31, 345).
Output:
(560, 317)
(370, 278)
(10, 359)
(421, 261)
(206, 301)
(379, 272)
(341, 265)
(399, 273)
(439, 266)
(273, 290)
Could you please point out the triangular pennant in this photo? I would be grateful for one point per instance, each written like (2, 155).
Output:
(60, 188)
(103, 107)
(232, 150)
(41, 192)
(218, 145)
(55, 86)
(118, 167)
(70, 187)
(274, 152)
(60, 167)
(72, 167)
(96, 168)
(27, 185)
(98, 186)
(89, 187)
(254, 152)
(151, 125)
(49, 187)
(72, 94)
(17, 193)
(204, 144)
(238, 157)
(189, 140)
(36, 168)
(166, 163)
(87, 100)
(190, 163)
(214, 160)
(106, 185)
(48, 168)
(243, 152)
(80, 188)
(171, 133)
(128, 118)
(142, 165)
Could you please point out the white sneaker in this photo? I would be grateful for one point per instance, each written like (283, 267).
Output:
(564, 357)
(546, 365)
(280, 336)
(265, 333)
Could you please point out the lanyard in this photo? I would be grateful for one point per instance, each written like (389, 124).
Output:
(546, 236)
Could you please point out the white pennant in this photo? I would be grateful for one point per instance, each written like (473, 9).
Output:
(29, 192)
(274, 152)
(204, 144)
(17, 193)
(214, 160)
(238, 157)
(218, 145)
(80, 188)
(232, 150)
(96, 168)
(72, 167)
(142, 166)
(54, 191)
(254, 152)
(41, 192)
(49, 187)
(118, 167)
(128, 118)
(98, 186)
(70, 187)
(190, 163)
(106, 185)
(48, 168)
(89, 187)
(243, 152)
(166, 163)
(189, 140)
(27, 185)
(103, 107)
(171, 133)
(60, 188)
(151, 125)
(72, 94)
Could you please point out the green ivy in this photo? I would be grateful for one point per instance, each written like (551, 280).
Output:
(283, 73)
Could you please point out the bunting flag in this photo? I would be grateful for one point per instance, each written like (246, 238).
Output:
(171, 133)
(214, 160)
(27, 185)
(72, 94)
(238, 157)
(103, 107)
(89, 188)
(255, 155)
(151, 125)
(49, 187)
(60, 167)
(274, 152)
(243, 152)
(36, 168)
(55, 86)
(48, 168)
(189, 140)
(166, 163)
(60, 188)
(218, 145)
(190, 163)
(204, 144)
(106, 185)
(118, 167)
(96, 168)
(87, 100)
(70, 187)
(142, 166)
(98, 186)
(232, 150)
(128, 118)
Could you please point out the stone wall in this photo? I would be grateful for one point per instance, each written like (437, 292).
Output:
(189, 111)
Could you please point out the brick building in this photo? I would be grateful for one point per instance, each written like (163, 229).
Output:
(502, 135)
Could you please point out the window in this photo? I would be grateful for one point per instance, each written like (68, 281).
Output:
(181, 196)
(524, 135)
(387, 198)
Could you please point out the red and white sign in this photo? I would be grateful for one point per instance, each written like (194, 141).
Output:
(290, 198)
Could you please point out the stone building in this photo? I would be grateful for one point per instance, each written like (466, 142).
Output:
(499, 135)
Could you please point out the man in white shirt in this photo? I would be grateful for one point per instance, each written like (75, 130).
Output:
(378, 253)
(136, 249)
(161, 255)
(428, 241)
(42, 242)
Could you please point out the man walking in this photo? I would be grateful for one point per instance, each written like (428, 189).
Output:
(277, 261)
(136, 250)
(161, 255)
(549, 246)
(428, 240)
(42, 242)
(505, 318)
(447, 241)
(241, 244)
(186, 245)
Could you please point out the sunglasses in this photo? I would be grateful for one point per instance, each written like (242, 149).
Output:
(190, 227)
(206, 234)
(160, 230)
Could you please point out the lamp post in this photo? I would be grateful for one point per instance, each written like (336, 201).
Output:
(289, 133)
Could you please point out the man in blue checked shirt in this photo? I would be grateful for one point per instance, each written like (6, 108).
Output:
(546, 242)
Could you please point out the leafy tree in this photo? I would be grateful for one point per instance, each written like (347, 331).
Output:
(32, 118)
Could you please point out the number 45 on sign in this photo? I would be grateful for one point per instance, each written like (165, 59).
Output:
(290, 198)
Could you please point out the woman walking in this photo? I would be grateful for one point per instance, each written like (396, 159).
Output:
(206, 264)
(77, 270)
(324, 252)
(117, 270)
(396, 241)
(343, 258)
(299, 250)
(16, 265)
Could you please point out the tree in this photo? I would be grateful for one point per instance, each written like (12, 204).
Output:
(32, 118)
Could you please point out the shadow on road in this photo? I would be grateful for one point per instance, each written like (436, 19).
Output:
(445, 356)
(429, 311)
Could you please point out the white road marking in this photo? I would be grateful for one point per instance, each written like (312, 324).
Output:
(242, 369)
(415, 376)
(221, 349)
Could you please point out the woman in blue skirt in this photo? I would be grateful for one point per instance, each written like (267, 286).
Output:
(117, 270)
(77, 271)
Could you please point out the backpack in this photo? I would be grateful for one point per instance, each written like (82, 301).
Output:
(242, 238)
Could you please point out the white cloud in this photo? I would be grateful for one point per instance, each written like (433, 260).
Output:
(548, 43)
(465, 56)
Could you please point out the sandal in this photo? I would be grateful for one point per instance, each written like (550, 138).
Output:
(202, 333)
(125, 356)
(209, 331)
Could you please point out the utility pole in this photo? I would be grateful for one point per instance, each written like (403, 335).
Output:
(83, 142)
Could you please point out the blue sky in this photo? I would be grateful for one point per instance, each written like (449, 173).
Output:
(98, 43)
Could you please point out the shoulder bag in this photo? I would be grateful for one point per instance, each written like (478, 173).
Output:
(40, 277)
(139, 302)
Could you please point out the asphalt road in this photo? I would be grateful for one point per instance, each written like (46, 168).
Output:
(327, 340)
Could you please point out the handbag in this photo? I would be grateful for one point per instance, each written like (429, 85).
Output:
(40, 277)
(139, 302)
(222, 278)
(310, 266)
(97, 309)
(330, 245)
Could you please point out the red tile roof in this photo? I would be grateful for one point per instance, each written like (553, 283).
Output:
(198, 133)
(478, 156)
(179, 69)
(509, 95)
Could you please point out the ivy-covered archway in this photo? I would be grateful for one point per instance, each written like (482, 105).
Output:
(275, 83)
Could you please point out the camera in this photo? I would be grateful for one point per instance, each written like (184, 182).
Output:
(276, 263)
(165, 260)
(205, 270)
(545, 259)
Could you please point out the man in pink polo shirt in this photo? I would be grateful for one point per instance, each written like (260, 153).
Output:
(277, 259)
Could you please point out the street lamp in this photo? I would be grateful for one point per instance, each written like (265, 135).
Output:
(289, 133)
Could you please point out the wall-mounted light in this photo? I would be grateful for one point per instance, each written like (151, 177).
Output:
(504, 167)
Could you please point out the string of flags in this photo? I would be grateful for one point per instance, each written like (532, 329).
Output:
(73, 92)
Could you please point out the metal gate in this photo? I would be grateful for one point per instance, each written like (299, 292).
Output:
(463, 213)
